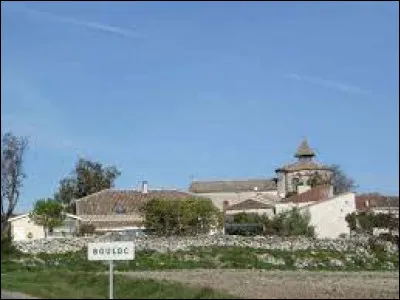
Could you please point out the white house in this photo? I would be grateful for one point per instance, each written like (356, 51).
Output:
(23, 228)
(327, 211)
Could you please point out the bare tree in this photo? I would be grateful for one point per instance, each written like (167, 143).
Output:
(12, 175)
(341, 182)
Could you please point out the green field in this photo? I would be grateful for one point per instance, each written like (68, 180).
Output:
(213, 258)
(71, 275)
(81, 285)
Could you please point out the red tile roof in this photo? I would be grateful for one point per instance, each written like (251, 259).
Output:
(107, 201)
(375, 200)
(318, 193)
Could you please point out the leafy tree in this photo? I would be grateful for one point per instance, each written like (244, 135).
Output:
(13, 150)
(242, 218)
(351, 220)
(365, 222)
(187, 216)
(297, 223)
(47, 213)
(290, 223)
(87, 178)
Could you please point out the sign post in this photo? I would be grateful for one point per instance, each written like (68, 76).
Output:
(111, 251)
(111, 279)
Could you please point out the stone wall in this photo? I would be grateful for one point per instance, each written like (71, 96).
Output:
(62, 245)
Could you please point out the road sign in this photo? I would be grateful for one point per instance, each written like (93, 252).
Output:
(111, 251)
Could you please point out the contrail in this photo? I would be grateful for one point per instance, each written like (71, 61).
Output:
(328, 83)
(116, 30)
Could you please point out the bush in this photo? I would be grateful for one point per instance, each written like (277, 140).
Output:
(7, 248)
(292, 223)
(389, 238)
(86, 229)
(365, 222)
(245, 229)
(189, 216)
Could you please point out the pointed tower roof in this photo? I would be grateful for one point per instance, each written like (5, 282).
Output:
(304, 150)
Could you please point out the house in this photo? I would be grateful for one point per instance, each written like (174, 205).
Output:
(291, 187)
(289, 178)
(327, 211)
(378, 203)
(234, 191)
(118, 210)
(23, 228)
(251, 206)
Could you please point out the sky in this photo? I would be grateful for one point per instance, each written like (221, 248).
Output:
(174, 91)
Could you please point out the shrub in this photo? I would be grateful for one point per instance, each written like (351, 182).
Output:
(365, 222)
(389, 237)
(86, 229)
(187, 216)
(292, 223)
(7, 248)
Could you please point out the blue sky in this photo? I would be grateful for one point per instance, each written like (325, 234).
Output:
(169, 91)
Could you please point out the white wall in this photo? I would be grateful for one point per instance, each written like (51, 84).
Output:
(21, 228)
(233, 198)
(282, 207)
(328, 216)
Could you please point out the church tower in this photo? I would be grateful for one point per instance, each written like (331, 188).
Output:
(293, 178)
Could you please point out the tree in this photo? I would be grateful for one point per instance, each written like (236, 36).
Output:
(341, 182)
(297, 223)
(13, 150)
(87, 178)
(316, 179)
(189, 216)
(47, 213)
(288, 223)
(365, 222)
(351, 220)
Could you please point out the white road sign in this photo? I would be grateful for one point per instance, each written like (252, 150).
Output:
(111, 251)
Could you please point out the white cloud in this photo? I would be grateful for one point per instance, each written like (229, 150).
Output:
(328, 83)
(106, 28)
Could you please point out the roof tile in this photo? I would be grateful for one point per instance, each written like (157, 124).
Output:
(317, 193)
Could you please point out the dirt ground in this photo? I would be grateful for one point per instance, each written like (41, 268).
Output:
(261, 284)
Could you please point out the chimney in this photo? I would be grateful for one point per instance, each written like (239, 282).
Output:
(225, 204)
(144, 187)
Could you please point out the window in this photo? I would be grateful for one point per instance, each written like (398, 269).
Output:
(295, 182)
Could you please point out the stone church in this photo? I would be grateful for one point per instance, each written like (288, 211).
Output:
(290, 179)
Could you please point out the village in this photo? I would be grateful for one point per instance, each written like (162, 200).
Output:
(199, 150)
(305, 184)
(299, 220)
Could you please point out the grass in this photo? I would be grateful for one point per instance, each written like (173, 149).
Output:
(81, 285)
(206, 258)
